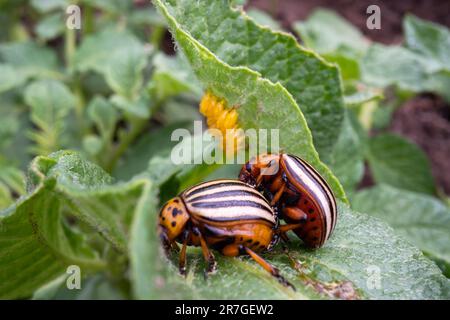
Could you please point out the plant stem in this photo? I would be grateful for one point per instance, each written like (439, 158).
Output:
(137, 126)
(88, 20)
(70, 45)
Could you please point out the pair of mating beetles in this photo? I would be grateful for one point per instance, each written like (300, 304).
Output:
(235, 217)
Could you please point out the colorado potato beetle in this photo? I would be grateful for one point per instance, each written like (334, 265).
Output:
(226, 215)
(298, 192)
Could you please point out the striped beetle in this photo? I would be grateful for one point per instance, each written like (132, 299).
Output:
(226, 215)
(298, 192)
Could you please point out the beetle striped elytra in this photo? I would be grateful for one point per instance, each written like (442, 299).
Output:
(298, 192)
(226, 215)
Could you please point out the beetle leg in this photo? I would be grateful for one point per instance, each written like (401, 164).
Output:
(295, 214)
(289, 226)
(174, 246)
(182, 262)
(259, 180)
(268, 267)
(282, 230)
(207, 254)
(277, 195)
(284, 237)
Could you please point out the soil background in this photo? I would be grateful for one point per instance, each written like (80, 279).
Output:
(424, 119)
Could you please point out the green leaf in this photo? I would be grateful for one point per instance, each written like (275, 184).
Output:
(50, 102)
(422, 66)
(92, 144)
(97, 287)
(118, 55)
(50, 27)
(175, 111)
(140, 107)
(439, 82)
(325, 31)
(14, 123)
(145, 17)
(232, 38)
(10, 77)
(429, 40)
(348, 65)
(393, 65)
(262, 104)
(124, 71)
(104, 115)
(335, 39)
(9, 126)
(35, 239)
(172, 77)
(5, 196)
(45, 6)
(13, 178)
(111, 6)
(264, 19)
(422, 219)
(144, 247)
(363, 96)
(400, 163)
(152, 144)
(347, 157)
(30, 59)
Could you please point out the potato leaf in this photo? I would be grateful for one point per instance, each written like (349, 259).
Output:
(346, 158)
(10, 77)
(237, 41)
(35, 238)
(429, 40)
(408, 70)
(118, 55)
(45, 6)
(50, 102)
(104, 115)
(393, 65)
(326, 32)
(50, 27)
(261, 103)
(172, 76)
(422, 219)
(30, 59)
(400, 163)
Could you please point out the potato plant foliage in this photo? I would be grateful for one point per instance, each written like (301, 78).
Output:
(85, 125)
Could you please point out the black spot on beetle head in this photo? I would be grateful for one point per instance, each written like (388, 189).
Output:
(173, 224)
(175, 211)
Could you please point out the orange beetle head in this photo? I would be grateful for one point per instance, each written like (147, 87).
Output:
(258, 167)
(173, 218)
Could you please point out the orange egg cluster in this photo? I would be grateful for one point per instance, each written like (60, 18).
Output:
(223, 118)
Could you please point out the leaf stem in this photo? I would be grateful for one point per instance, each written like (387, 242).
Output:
(137, 126)
(70, 45)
